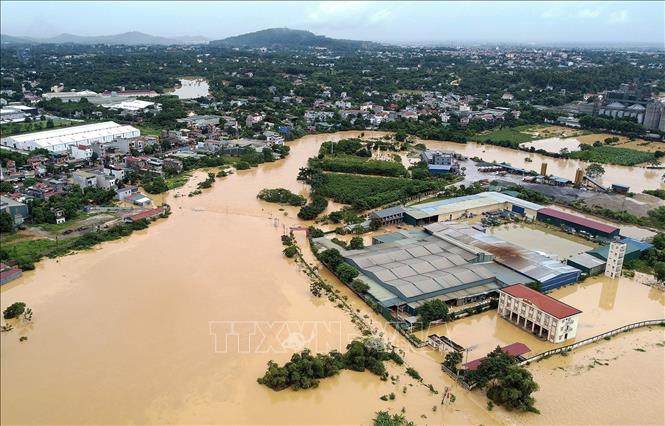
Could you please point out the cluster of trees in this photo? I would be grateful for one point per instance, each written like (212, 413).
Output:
(315, 207)
(506, 383)
(14, 310)
(652, 260)
(208, 182)
(353, 146)
(621, 125)
(71, 203)
(305, 370)
(282, 196)
(432, 310)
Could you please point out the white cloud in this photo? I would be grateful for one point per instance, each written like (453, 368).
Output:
(340, 13)
(618, 17)
(551, 13)
(588, 13)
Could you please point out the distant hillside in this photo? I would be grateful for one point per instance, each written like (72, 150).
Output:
(132, 38)
(285, 37)
(7, 39)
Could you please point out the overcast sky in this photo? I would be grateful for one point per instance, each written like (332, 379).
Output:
(588, 22)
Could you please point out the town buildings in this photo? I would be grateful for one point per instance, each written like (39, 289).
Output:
(538, 313)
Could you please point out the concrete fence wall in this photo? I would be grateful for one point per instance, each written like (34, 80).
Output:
(592, 339)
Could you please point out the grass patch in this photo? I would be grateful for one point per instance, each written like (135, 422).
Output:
(148, 130)
(508, 136)
(179, 180)
(613, 155)
(34, 126)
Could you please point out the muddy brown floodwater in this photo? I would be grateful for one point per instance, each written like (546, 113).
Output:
(637, 178)
(137, 331)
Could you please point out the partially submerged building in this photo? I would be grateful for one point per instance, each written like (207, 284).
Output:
(577, 223)
(415, 266)
(538, 313)
(549, 273)
(466, 206)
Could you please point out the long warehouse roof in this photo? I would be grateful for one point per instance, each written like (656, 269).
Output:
(578, 220)
(466, 202)
(73, 134)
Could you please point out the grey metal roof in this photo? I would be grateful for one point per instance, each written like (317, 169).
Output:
(534, 265)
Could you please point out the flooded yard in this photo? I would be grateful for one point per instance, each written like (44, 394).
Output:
(192, 88)
(605, 303)
(554, 145)
(551, 242)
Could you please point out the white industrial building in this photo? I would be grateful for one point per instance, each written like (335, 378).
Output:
(538, 313)
(59, 140)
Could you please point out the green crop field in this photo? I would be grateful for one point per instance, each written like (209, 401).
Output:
(613, 155)
(366, 192)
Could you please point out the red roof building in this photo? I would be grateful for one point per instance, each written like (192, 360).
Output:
(542, 315)
(579, 223)
(149, 214)
(514, 350)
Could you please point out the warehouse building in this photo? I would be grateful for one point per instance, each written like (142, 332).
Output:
(538, 313)
(588, 264)
(466, 206)
(59, 140)
(634, 250)
(412, 267)
(549, 273)
(577, 223)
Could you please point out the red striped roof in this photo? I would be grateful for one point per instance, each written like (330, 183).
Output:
(146, 214)
(545, 303)
(578, 220)
(514, 350)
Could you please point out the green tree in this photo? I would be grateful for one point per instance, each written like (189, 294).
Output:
(13, 310)
(346, 272)
(432, 310)
(331, 258)
(383, 418)
(659, 271)
(290, 251)
(356, 243)
(513, 389)
(6, 187)
(595, 170)
(6, 222)
(452, 359)
(359, 286)
(495, 364)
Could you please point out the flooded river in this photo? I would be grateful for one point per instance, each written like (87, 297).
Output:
(153, 329)
(637, 178)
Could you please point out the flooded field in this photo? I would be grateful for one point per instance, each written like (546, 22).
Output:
(627, 370)
(138, 330)
(553, 243)
(192, 88)
(638, 178)
(554, 145)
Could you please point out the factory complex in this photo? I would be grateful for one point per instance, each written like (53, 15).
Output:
(458, 263)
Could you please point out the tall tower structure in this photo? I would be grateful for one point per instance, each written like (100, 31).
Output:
(615, 259)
